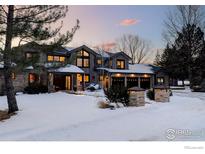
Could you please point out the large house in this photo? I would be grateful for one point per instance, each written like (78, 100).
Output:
(75, 68)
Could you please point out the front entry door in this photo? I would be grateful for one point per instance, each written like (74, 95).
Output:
(68, 83)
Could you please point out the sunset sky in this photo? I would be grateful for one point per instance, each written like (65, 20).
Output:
(103, 24)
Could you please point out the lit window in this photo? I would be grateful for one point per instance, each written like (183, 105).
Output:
(86, 62)
(28, 55)
(101, 77)
(79, 77)
(83, 59)
(79, 62)
(62, 59)
(86, 78)
(120, 64)
(13, 76)
(99, 61)
(56, 58)
(85, 54)
(32, 78)
(160, 80)
(50, 58)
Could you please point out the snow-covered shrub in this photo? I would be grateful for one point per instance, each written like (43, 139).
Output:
(118, 94)
(150, 94)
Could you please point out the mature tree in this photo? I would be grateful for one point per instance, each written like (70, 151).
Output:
(180, 17)
(26, 24)
(134, 46)
(157, 59)
(190, 43)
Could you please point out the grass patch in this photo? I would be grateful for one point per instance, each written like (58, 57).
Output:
(4, 115)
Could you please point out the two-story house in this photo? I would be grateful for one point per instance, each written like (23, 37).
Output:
(75, 68)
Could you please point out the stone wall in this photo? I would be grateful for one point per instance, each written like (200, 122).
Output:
(161, 95)
(136, 98)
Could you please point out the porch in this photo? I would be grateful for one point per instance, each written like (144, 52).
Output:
(70, 78)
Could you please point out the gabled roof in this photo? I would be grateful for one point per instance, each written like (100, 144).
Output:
(67, 69)
(83, 47)
(112, 55)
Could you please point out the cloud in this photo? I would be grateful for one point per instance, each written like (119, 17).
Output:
(106, 46)
(129, 22)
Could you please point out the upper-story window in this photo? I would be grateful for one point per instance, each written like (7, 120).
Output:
(83, 59)
(30, 55)
(52, 58)
(120, 64)
(99, 61)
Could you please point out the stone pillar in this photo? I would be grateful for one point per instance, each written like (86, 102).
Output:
(136, 96)
(161, 94)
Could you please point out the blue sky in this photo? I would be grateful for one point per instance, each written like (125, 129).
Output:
(103, 24)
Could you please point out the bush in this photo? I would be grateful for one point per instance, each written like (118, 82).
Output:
(150, 94)
(35, 89)
(118, 94)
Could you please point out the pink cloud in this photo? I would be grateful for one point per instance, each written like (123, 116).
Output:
(129, 22)
(106, 46)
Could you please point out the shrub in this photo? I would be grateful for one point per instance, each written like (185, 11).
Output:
(35, 89)
(118, 94)
(150, 94)
(91, 88)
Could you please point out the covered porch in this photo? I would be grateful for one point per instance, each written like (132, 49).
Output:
(126, 78)
(69, 78)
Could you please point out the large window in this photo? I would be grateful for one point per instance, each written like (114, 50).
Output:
(87, 78)
(83, 59)
(30, 55)
(52, 58)
(120, 64)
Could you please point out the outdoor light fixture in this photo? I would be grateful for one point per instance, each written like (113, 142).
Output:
(132, 75)
(118, 74)
(145, 75)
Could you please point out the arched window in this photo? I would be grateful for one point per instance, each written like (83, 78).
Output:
(83, 59)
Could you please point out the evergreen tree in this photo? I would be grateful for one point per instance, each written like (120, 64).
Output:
(189, 44)
(29, 23)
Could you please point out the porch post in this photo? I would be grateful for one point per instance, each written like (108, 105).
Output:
(83, 88)
(139, 82)
(72, 84)
(125, 80)
(110, 80)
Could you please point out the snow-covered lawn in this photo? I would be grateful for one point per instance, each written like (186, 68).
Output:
(62, 116)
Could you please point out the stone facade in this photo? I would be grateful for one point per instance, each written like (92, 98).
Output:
(161, 94)
(136, 96)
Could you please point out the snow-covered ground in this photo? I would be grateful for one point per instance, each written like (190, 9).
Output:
(62, 116)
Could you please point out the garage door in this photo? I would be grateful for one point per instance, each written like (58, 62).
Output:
(145, 83)
(118, 81)
(132, 82)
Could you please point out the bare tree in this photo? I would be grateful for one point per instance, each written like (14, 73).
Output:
(180, 17)
(29, 23)
(134, 46)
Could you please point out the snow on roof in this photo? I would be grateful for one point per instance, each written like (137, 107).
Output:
(136, 68)
(2, 64)
(141, 68)
(68, 69)
(29, 68)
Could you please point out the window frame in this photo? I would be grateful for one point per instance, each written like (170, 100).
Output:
(53, 58)
(161, 79)
(83, 57)
(120, 60)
